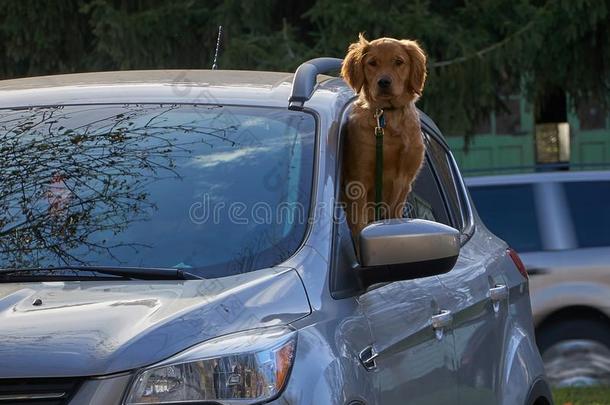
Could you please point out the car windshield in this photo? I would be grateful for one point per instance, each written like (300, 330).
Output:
(218, 190)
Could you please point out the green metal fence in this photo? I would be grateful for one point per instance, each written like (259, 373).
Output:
(497, 153)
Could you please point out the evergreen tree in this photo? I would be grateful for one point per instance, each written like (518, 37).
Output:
(479, 52)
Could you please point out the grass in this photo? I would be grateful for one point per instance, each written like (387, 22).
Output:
(582, 396)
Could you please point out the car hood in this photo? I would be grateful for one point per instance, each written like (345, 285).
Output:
(57, 329)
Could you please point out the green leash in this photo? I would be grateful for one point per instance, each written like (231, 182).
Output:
(379, 162)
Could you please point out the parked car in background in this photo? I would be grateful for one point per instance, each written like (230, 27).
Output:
(559, 222)
(173, 237)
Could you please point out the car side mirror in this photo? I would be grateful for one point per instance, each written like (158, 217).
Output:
(406, 249)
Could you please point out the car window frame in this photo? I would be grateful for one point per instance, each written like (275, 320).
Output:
(457, 221)
(467, 227)
(348, 280)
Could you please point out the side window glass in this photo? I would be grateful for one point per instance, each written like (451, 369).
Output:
(588, 205)
(425, 200)
(510, 213)
(442, 167)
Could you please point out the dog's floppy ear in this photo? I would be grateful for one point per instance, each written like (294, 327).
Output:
(417, 76)
(352, 69)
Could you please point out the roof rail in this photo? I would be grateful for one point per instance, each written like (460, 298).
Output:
(304, 80)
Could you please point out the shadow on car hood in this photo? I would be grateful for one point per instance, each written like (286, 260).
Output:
(97, 328)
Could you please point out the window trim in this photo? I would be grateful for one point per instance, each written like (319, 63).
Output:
(464, 200)
(427, 127)
(333, 274)
(442, 190)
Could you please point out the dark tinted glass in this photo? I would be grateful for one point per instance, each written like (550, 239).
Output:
(425, 200)
(510, 213)
(447, 181)
(589, 204)
(216, 190)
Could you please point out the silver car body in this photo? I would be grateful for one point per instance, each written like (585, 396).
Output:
(462, 337)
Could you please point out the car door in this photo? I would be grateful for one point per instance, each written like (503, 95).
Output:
(412, 354)
(477, 293)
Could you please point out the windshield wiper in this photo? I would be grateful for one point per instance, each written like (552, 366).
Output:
(134, 273)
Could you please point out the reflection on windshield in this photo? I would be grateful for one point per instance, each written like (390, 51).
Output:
(221, 188)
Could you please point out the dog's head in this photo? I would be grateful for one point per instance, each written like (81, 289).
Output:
(386, 70)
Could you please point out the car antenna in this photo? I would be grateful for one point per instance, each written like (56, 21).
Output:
(214, 65)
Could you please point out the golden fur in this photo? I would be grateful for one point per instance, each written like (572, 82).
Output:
(367, 68)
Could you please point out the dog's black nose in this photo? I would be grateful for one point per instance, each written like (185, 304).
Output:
(384, 82)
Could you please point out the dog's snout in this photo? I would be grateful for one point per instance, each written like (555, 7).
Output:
(384, 82)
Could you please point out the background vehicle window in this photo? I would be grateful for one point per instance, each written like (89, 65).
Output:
(510, 213)
(588, 204)
(425, 200)
(443, 170)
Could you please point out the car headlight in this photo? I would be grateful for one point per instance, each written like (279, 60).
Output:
(243, 368)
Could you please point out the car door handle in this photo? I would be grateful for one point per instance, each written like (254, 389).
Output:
(367, 357)
(498, 293)
(442, 320)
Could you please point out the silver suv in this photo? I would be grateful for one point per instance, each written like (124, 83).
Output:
(175, 237)
(560, 224)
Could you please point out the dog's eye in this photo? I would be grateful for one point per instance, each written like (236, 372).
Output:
(372, 62)
(398, 62)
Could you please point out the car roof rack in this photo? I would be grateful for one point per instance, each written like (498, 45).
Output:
(304, 81)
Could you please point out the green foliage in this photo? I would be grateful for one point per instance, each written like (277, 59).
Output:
(42, 37)
(162, 35)
(479, 51)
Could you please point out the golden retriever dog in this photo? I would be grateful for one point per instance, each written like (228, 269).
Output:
(387, 74)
